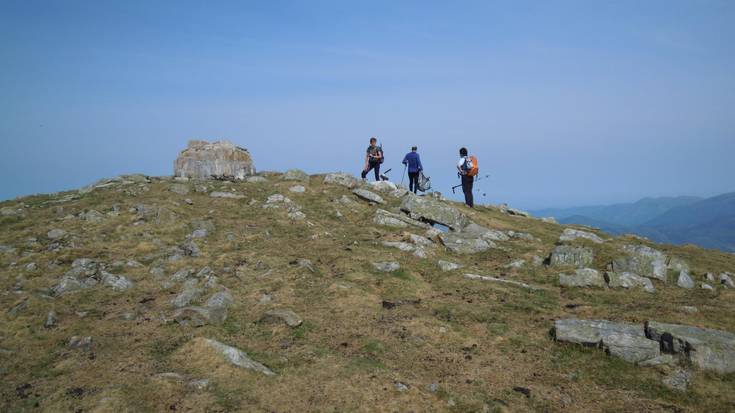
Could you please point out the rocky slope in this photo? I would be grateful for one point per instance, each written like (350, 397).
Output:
(292, 293)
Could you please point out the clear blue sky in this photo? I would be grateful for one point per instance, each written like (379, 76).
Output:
(564, 102)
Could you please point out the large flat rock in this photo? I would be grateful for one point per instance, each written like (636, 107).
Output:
(579, 257)
(642, 260)
(434, 211)
(464, 244)
(623, 340)
(706, 348)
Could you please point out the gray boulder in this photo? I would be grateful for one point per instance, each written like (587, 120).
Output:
(583, 277)
(256, 179)
(579, 257)
(463, 244)
(389, 219)
(626, 341)
(222, 299)
(286, 316)
(368, 196)
(341, 178)
(485, 233)
(116, 282)
(642, 260)
(708, 349)
(383, 186)
(221, 159)
(235, 356)
(684, 280)
(295, 175)
(386, 266)
(678, 380)
(181, 189)
(200, 316)
(189, 293)
(628, 280)
(726, 280)
(433, 211)
(56, 234)
(448, 266)
(571, 234)
(297, 189)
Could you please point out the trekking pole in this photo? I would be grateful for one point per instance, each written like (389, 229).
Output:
(404, 173)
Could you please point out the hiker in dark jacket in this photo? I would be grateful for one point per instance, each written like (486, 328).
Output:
(467, 181)
(373, 159)
(413, 161)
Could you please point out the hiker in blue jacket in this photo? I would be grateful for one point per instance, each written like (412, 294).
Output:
(413, 162)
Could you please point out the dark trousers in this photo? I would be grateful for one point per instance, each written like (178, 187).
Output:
(376, 167)
(467, 182)
(413, 181)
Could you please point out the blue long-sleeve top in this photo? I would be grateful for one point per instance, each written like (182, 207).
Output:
(413, 161)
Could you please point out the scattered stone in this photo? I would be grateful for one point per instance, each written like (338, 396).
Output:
(521, 235)
(299, 189)
(708, 349)
(190, 249)
(201, 384)
(579, 257)
(537, 261)
(709, 277)
(117, 282)
(188, 201)
(684, 280)
(51, 319)
(386, 266)
(200, 316)
(67, 284)
(92, 216)
(499, 280)
(295, 175)
(368, 196)
(571, 234)
(678, 380)
(341, 178)
(726, 280)
(628, 280)
(690, 309)
(626, 341)
(287, 316)
(56, 234)
(677, 265)
(463, 244)
(222, 299)
(403, 246)
(583, 277)
(448, 266)
(401, 387)
(221, 159)
(706, 286)
(485, 233)
(296, 215)
(549, 220)
(516, 264)
(504, 208)
(30, 267)
(256, 179)
(190, 292)
(83, 343)
(662, 360)
(234, 356)
(181, 189)
(433, 211)
(383, 186)
(642, 260)
(200, 233)
(230, 195)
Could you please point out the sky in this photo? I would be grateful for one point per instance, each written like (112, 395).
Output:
(564, 102)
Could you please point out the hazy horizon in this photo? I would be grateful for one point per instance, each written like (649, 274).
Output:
(565, 104)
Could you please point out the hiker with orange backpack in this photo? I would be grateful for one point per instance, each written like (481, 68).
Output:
(468, 169)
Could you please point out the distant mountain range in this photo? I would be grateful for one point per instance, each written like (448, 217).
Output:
(707, 222)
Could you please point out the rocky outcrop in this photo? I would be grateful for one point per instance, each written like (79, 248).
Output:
(432, 211)
(232, 355)
(221, 160)
(464, 244)
(579, 257)
(571, 234)
(583, 277)
(368, 196)
(705, 348)
(628, 280)
(341, 178)
(389, 219)
(626, 341)
(642, 260)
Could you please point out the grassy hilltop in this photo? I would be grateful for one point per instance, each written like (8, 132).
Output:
(412, 339)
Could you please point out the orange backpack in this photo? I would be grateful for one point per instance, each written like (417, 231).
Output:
(470, 166)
